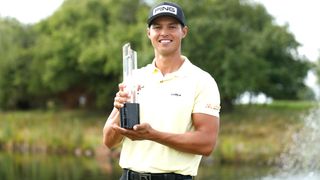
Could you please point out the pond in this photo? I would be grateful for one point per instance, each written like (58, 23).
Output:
(300, 160)
(44, 167)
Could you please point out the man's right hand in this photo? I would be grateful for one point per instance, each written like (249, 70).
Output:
(121, 97)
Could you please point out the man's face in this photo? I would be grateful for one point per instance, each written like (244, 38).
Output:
(166, 34)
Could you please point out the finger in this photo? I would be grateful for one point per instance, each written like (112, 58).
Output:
(118, 102)
(124, 94)
(118, 105)
(139, 128)
(121, 130)
(143, 126)
(122, 100)
(121, 86)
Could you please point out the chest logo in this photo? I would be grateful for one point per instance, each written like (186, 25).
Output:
(175, 94)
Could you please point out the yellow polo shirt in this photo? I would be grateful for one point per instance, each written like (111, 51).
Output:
(166, 103)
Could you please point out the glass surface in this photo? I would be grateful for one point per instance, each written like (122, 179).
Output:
(129, 66)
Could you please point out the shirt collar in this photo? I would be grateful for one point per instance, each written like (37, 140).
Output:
(182, 71)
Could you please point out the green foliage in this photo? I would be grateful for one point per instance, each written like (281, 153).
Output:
(249, 134)
(293, 105)
(238, 43)
(287, 70)
(316, 69)
(80, 46)
(258, 133)
(77, 51)
(72, 46)
(15, 42)
(50, 132)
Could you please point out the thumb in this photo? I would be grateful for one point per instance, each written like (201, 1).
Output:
(139, 126)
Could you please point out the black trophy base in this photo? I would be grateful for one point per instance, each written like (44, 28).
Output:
(129, 115)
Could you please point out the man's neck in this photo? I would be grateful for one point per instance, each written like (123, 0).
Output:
(168, 64)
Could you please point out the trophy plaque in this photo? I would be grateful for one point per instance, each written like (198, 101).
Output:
(129, 113)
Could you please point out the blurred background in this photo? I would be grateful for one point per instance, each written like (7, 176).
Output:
(61, 62)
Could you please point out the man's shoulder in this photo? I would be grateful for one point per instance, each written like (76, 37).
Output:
(198, 72)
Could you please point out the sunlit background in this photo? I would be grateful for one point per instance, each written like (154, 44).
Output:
(260, 137)
(300, 15)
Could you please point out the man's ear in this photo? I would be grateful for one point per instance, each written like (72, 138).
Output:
(185, 31)
(148, 32)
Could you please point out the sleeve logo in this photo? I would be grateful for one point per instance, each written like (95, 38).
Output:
(213, 107)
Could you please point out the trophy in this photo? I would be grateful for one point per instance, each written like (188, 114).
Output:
(129, 113)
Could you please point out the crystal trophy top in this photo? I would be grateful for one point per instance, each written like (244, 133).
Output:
(130, 112)
(129, 65)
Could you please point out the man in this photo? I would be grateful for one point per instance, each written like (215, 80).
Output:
(179, 108)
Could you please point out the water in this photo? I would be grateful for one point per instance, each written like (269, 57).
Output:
(49, 167)
(301, 159)
(232, 172)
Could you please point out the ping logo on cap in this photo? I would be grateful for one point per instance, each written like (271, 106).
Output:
(165, 9)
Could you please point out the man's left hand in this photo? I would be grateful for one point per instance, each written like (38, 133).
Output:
(139, 132)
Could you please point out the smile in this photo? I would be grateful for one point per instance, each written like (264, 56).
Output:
(165, 41)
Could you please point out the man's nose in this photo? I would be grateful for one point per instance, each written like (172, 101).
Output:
(164, 32)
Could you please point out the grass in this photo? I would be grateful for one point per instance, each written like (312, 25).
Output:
(259, 133)
(249, 134)
(50, 132)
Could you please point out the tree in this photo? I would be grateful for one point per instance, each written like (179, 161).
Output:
(241, 46)
(77, 51)
(287, 70)
(79, 48)
(316, 70)
(15, 41)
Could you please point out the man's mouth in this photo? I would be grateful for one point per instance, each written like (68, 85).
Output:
(165, 41)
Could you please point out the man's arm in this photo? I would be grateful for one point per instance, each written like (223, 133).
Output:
(200, 141)
(110, 137)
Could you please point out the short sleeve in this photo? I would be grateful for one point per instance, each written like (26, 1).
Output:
(207, 99)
